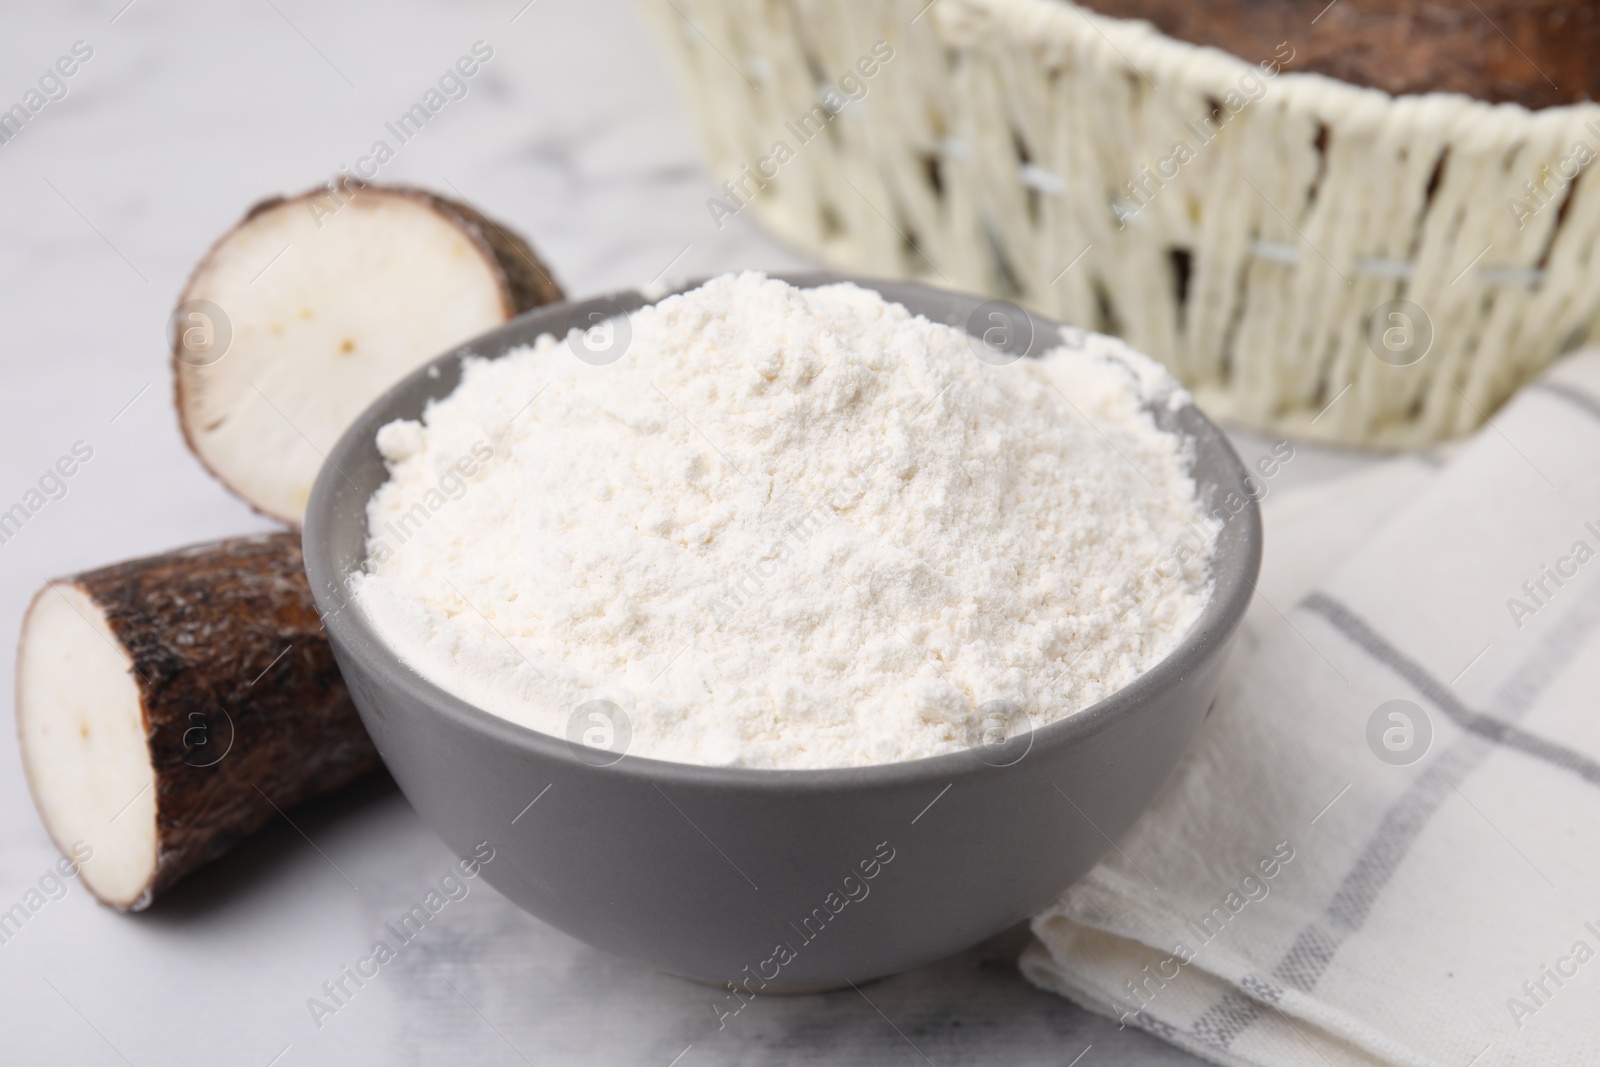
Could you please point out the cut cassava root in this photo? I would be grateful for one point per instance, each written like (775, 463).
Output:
(309, 308)
(169, 707)
(1537, 53)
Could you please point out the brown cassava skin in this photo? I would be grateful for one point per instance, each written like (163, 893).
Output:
(205, 627)
(1537, 53)
(525, 282)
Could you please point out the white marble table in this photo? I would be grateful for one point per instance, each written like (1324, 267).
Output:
(185, 114)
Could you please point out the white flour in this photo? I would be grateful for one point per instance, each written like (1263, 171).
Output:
(789, 528)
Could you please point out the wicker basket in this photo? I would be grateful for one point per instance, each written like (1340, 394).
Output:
(1028, 149)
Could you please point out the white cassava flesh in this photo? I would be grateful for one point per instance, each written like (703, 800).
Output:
(325, 301)
(81, 728)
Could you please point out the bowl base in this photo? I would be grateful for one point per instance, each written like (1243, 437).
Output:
(772, 989)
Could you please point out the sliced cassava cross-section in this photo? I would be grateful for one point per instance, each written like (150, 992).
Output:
(311, 307)
(169, 707)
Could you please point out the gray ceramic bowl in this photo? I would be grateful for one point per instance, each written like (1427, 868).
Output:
(776, 880)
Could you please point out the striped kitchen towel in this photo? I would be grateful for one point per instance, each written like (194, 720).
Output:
(1384, 846)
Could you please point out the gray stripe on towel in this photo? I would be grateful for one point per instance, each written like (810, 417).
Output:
(1571, 394)
(1440, 696)
(1314, 947)
(1225, 1020)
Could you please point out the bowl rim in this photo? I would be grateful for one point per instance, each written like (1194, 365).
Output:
(1233, 585)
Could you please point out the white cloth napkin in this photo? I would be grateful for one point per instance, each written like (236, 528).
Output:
(1293, 897)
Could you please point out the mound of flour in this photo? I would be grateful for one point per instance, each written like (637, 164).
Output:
(788, 528)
